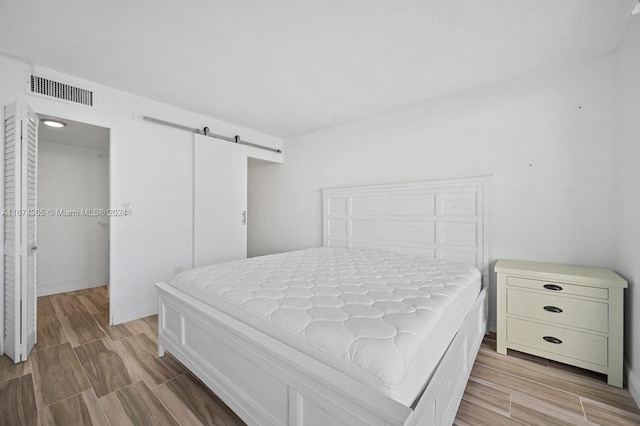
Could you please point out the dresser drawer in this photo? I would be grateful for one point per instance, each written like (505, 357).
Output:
(559, 288)
(561, 310)
(573, 344)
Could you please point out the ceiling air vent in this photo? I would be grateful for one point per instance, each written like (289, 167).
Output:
(38, 85)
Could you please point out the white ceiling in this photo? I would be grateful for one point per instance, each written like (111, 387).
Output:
(74, 133)
(286, 67)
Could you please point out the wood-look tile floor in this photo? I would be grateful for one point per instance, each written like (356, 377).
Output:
(524, 389)
(85, 372)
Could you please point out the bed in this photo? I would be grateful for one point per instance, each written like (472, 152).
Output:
(380, 326)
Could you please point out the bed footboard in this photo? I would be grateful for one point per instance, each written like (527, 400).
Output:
(268, 383)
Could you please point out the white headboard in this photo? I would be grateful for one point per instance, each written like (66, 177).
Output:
(441, 219)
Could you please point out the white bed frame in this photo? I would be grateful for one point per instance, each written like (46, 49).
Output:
(269, 383)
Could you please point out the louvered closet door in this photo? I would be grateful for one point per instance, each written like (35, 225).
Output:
(12, 232)
(29, 247)
(220, 201)
(19, 193)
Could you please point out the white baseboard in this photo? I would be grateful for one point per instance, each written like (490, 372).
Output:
(135, 313)
(633, 383)
(47, 289)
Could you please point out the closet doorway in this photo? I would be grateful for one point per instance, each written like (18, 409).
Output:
(73, 232)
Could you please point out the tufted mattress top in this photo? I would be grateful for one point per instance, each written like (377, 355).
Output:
(384, 319)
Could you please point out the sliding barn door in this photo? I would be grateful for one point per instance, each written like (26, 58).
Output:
(220, 201)
(19, 196)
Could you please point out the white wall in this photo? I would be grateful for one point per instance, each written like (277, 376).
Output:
(151, 167)
(627, 203)
(73, 252)
(546, 139)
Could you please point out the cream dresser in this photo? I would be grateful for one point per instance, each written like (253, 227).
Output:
(570, 314)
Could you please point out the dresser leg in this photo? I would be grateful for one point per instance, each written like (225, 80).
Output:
(501, 315)
(615, 379)
(501, 347)
(616, 337)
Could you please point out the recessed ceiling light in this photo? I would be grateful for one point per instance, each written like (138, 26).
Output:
(53, 123)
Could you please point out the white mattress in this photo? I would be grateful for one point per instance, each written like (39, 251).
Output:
(383, 319)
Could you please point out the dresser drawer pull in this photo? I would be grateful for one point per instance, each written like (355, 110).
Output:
(553, 287)
(553, 309)
(553, 340)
